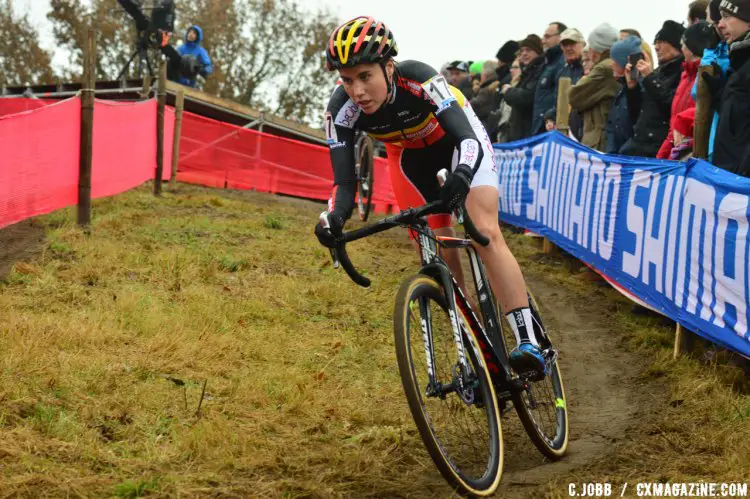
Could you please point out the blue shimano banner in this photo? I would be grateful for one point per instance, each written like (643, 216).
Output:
(673, 234)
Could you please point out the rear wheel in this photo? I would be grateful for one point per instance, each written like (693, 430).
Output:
(457, 416)
(365, 160)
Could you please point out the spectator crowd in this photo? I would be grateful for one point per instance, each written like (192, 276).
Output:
(623, 100)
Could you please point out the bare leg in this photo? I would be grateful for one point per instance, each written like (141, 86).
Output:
(503, 271)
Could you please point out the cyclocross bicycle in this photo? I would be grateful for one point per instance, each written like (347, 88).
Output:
(454, 367)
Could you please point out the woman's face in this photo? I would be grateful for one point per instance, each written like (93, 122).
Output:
(515, 69)
(365, 84)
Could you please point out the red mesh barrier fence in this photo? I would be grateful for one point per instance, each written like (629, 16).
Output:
(40, 159)
(222, 155)
(14, 105)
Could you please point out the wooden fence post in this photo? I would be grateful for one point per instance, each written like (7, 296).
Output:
(179, 107)
(683, 339)
(562, 122)
(563, 105)
(87, 129)
(703, 115)
(146, 87)
(161, 103)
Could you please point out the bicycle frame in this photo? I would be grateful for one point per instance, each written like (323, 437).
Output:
(487, 333)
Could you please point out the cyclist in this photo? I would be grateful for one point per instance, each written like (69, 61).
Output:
(426, 125)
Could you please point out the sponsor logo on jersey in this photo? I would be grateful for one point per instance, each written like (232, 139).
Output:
(336, 145)
(445, 105)
(469, 152)
(348, 115)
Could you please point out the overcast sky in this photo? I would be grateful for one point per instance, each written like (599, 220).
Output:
(437, 31)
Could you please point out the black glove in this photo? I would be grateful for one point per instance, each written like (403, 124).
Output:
(456, 187)
(715, 84)
(190, 66)
(329, 237)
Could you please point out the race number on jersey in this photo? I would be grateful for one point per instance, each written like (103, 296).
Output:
(438, 90)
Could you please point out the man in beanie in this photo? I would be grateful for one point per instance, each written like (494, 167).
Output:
(594, 94)
(620, 123)
(521, 97)
(652, 96)
(546, 90)
(505, 57)
(697, 38)
(719, 58)
(460, 78)
(573, 44)
(732, 147)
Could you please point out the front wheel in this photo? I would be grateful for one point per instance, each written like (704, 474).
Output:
(456, 411)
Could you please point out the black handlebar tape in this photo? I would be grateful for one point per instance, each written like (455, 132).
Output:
(349, 268)
(472, 230)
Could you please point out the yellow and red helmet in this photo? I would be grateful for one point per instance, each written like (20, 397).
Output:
(360, 41)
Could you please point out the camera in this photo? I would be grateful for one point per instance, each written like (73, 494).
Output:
(150, 29)
(633, 59)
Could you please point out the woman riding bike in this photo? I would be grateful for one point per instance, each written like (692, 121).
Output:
(426, 125)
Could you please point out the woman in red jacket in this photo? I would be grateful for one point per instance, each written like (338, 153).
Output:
(696, 39)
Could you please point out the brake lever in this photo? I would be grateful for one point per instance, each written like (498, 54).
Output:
(442, 176)
(327, 225)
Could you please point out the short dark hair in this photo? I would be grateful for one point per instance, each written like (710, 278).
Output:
(560, 26)
(698, 10)
(631, 32)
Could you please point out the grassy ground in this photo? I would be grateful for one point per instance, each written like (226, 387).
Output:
(202, 345)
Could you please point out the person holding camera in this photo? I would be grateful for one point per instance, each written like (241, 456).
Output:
(651, 92)
(620, 123)
(195, 59)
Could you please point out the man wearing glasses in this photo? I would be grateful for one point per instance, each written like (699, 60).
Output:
(546, 90)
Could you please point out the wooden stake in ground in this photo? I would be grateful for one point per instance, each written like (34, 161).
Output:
(161, 103)
(179, 107)
(562, 122)
(87, 129)
(703, 115)
(683, 342)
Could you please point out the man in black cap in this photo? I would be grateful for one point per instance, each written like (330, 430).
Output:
(732, 146)
(650, 97)
(521, 96)
(460, 78)
(505, 57)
